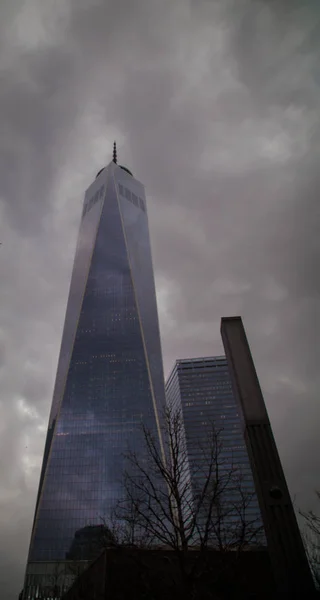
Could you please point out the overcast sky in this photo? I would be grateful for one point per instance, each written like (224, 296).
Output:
(215, 106)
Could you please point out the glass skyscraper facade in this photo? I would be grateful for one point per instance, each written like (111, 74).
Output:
(201, 388)
(109, 378)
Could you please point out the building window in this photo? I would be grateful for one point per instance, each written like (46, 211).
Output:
(141, 202)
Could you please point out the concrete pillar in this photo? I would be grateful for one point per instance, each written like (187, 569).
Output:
(290, 565)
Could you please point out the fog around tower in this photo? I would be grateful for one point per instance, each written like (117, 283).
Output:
(215, 108)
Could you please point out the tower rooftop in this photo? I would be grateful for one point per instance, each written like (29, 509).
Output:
(115, 160)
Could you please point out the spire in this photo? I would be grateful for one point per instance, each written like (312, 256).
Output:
(114, 152)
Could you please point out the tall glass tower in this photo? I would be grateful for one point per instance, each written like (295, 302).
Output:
(109, 378)
(201, 389)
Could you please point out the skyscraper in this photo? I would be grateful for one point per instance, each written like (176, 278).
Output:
(202, 389)
(109, 377)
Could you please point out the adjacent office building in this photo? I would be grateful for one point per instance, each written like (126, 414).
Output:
(109, 377)
(201, 388)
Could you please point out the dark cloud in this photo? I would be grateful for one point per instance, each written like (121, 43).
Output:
(215, 108)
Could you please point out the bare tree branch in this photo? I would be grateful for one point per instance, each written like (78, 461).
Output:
(311, 536)
(173, 503)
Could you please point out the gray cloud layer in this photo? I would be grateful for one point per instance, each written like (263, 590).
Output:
(215, 106)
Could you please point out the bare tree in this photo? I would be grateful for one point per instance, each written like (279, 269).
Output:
(181, 505)
(311, 537)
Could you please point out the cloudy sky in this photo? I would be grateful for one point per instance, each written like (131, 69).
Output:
(215, 106)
